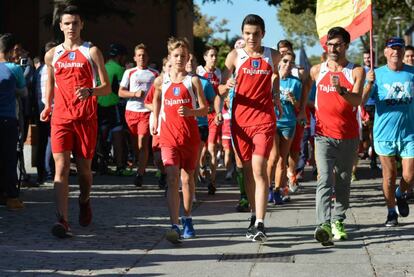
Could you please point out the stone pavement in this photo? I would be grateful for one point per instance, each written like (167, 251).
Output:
(127, 236)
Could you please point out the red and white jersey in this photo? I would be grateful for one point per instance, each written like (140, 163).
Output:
(135, 79)
(176, 130)
(214, 77)
(73, 69)
(335, 118)
(252, 103)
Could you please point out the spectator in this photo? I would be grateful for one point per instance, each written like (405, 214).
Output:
(12, 83)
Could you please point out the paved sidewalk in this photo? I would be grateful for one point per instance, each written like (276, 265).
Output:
(127, 236)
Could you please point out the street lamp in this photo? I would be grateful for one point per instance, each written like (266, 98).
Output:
(398, 20)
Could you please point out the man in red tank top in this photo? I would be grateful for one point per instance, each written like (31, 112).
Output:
(252, 110)
(72, 91)
(339, 86)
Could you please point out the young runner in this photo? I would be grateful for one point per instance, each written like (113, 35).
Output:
(290, 95)
(175, 99)
(213, 74)
(135, 85)
(71, 84)
(253, 117)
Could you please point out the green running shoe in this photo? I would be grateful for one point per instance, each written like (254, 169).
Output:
(338, 231)
(323, 234)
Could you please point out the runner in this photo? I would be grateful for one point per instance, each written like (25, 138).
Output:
(393, 126)
(134, 85)
(213, 74)
(71, 84)
(175, 100)
(156, 150)
(339, 86)
(253, 117)
(202, 121)
(290, 94)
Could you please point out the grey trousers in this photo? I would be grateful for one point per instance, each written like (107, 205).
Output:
(339, 155)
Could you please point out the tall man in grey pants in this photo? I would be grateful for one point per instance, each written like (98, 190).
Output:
(339, 85)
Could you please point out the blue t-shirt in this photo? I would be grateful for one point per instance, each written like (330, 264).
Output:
(11, 78)
(209, 94)
(370, 101)
(289, 85)
(394, 108)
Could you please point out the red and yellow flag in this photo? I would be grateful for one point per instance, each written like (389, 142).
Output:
(353, 15)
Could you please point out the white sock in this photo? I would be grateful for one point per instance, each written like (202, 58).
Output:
(258, 221)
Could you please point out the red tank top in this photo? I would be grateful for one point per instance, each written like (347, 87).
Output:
(73, 69)
(176, 130)
(253, 101)
(335, 118)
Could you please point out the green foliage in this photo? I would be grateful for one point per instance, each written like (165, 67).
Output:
(204, 29)
(300, 28)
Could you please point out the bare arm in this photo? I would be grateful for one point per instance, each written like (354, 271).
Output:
(355, 96)
(276, 82)
(367, 88)
(226, 81)
(306, 85)
(156, 104)
(50, 84)
(104, 88)
(202, 109)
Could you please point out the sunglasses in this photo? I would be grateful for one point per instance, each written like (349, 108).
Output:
(287, 61)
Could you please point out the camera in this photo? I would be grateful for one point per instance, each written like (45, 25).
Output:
(23, 61)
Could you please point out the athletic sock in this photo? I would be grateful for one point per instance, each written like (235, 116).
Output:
(258, 221)
(240, 181)
(392, 211)
(398, 192)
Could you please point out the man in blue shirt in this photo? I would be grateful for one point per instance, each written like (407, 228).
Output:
(12, 83)
(393, 91)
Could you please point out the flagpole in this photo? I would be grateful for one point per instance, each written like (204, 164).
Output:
(371, 40)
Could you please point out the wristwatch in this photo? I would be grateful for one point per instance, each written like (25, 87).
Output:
(342, 91)
(90, 91)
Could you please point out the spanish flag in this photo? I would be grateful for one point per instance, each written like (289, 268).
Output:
(353, 15)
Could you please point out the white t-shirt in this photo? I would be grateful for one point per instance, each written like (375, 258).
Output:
(135, 79)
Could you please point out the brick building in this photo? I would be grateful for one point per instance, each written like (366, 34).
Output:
(153, 22)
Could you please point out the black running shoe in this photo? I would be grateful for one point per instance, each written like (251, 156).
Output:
(259, 233)
(402, 205)
(138, 180)
(392, 220)
(211, 188)
(61, 229)
(249, 233)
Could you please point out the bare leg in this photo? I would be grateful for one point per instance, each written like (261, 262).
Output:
(173, 195)
(389, 175)
(142, 153)
(262, 186)
(61, 182)
(187, 180)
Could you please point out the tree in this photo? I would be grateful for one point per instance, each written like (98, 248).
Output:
(204, 29)
(300, 28)
(297, 18)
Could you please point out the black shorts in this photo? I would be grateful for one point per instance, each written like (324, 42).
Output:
(203, 130)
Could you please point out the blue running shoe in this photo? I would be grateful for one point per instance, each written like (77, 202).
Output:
(403, 208)
(270, 197)
(188, 229)
(174, 234)
(277, 197)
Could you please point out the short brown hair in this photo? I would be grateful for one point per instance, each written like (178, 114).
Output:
(174, 43)
(288, 53)
(141, 46)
